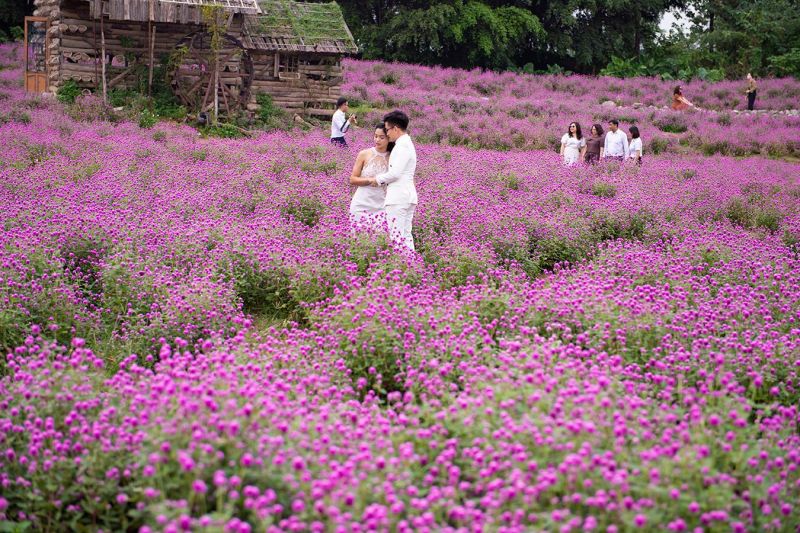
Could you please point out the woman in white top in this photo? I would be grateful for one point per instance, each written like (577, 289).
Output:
(367, 204)
(573, 145)
(635, 148)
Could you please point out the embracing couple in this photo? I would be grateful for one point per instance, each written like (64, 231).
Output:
(384, 180)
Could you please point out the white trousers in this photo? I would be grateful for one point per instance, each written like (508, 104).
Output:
(399, 219)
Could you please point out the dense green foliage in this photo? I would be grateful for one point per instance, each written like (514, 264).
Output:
(723, 38)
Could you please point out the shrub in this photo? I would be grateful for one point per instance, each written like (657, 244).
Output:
(68, 91)
(268, 112)
(671, 123)
(88, 108)
(224, 130)
(390, 78)
(604, 190)
(264, 290)
(147, 119)
(510, 180)
(307, 210)
(753, 213)
(658, 145)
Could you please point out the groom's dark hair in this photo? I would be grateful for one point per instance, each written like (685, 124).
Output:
(397, 118)
(340, 102)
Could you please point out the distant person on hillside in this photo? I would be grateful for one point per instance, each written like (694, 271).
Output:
(594, 145)
(340, 122)
(573, 145)
(615, 145)
(751, 92)
(635, 148)
(401, 193)
(366, 206)
(680, 102)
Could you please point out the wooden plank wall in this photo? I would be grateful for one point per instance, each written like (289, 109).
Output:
(313, 91)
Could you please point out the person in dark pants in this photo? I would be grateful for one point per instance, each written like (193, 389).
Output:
(751, 92)
(340, 122)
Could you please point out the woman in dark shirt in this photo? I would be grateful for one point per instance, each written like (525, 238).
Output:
(594, 145)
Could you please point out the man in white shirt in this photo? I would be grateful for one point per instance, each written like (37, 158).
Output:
(340, 122)
(616, 144)
(401, 193)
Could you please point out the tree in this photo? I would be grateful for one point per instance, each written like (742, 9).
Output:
(12, 13)
(461, 33)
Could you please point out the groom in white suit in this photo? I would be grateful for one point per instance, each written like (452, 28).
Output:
(401, 194)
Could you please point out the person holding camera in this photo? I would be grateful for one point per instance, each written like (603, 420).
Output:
(341, 122)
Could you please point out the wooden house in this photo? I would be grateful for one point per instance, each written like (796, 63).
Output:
(219, 53)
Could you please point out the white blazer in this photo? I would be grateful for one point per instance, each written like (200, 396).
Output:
(399, 178)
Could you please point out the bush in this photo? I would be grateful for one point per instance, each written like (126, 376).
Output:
(224, 130)
(147, 119)
(268, 112)
(787, 64)
(67, 93)
(88, 108)
(604, 190)
(307, 210)
(659, 145)
(753, 213)
(389, 78)
(264, 290)
(671, 123)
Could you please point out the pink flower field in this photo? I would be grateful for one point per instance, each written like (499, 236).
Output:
(196, 339)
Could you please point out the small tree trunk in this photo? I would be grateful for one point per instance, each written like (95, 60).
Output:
(103, 58)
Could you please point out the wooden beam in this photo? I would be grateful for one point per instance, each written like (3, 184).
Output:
(116, 79)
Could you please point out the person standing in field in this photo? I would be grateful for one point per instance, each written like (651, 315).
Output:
(635, 148)
(401, 192)
(594, 145)
(751, 92)
(615, 146)
(366, 206)
(573, 145)
(340, 122)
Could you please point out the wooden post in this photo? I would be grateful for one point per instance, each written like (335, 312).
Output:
(103, 54)
(152, 38)
(216, 87)
(94, 49)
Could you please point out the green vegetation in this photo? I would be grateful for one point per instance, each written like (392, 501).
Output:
(68, 91)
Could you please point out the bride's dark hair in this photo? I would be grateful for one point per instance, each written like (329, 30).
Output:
(382, 127)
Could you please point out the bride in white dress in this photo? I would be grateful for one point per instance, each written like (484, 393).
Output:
(366, 206)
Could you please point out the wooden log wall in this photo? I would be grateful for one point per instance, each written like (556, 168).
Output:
(80, 51)
(314, 91)
(75, 51)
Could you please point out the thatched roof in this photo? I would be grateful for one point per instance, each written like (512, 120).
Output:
(286, 25)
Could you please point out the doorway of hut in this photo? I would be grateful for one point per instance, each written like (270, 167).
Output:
(36, 54)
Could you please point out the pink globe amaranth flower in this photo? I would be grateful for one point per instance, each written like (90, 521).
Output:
(640, 520)
(199, 486)
(3, 504)
(122, 498)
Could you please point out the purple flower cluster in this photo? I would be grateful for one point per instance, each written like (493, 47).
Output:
(196, 339)
(511, 112)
